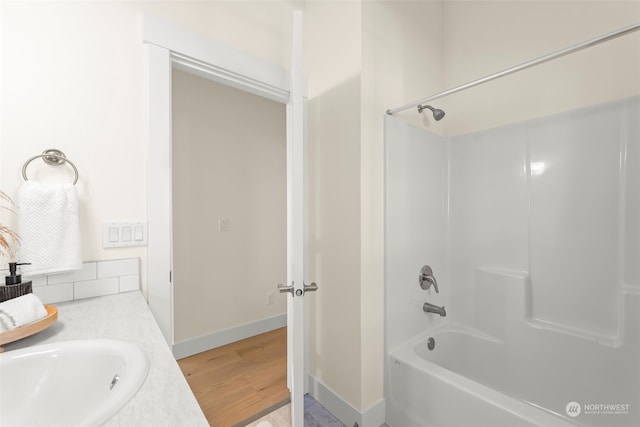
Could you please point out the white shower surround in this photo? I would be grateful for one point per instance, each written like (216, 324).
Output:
(533, 231)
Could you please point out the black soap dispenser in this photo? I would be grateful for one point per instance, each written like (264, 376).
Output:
(14, 287)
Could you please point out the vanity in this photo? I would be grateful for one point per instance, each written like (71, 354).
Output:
(165, 398)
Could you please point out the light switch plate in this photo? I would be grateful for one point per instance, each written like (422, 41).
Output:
(124, 234)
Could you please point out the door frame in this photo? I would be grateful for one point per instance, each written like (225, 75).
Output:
(169, 46)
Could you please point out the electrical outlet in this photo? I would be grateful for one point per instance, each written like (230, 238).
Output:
(271, 296)
(223, 224)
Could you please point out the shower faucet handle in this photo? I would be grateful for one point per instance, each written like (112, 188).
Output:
(427, 278)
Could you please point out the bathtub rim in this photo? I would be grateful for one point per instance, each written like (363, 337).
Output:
(405, 354)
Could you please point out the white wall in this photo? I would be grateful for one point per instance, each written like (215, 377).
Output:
(358, 69)
(74, 78)
(483, 37)
(333, 64)
(229, 162)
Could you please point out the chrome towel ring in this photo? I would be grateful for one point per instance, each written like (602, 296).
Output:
(51, 157)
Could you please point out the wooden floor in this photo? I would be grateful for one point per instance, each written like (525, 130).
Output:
(238, 380)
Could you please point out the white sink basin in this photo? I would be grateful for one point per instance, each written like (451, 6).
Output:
(73, 383)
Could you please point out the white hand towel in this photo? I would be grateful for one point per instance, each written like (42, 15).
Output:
(21, 311)
(48, 228)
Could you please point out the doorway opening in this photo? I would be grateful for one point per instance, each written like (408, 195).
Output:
(229, 225)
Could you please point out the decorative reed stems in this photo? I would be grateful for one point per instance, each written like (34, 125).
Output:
(7, 236)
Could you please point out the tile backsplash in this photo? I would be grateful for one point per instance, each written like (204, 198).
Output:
(96, 278)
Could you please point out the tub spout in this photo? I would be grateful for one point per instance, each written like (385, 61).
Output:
(430, 308)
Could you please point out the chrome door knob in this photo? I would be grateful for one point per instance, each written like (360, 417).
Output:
(310, 288)
(282, 288)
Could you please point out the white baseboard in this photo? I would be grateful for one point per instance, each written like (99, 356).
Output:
(197, 345)
(374, 416)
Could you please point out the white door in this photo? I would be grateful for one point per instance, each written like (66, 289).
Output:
(296, 247)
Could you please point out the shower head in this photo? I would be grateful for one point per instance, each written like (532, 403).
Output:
(438, 114)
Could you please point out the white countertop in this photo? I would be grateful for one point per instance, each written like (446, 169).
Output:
(165, 398)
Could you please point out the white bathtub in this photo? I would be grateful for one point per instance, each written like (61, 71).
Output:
(472, 379)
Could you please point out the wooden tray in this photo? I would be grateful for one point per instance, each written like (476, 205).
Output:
(30, 329)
